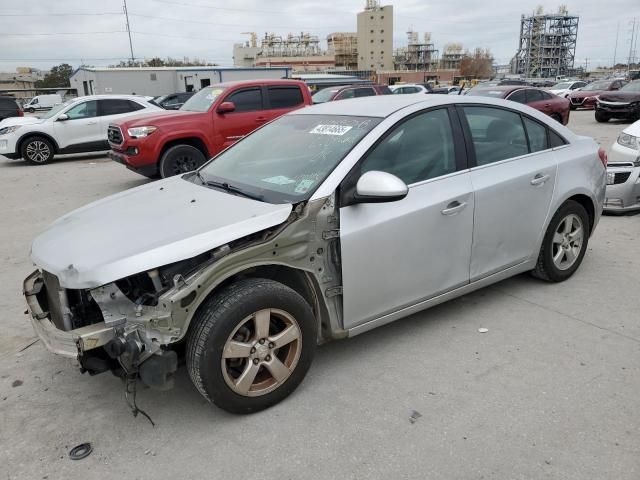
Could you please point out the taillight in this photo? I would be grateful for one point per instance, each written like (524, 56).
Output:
(603, 156)
(20, 113)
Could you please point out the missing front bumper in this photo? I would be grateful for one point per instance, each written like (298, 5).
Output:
(70, 344)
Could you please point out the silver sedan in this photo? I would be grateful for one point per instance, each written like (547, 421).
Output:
(326, 223)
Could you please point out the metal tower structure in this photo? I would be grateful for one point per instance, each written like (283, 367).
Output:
(547, 44)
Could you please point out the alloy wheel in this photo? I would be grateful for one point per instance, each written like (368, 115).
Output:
(567, 242)
(261, 352)
(183, 164)
(38, 151)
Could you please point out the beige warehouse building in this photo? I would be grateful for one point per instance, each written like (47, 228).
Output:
(375, 37)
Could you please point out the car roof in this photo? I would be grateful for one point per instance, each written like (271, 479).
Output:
(259, 81)
(110, 96)
(384, 105)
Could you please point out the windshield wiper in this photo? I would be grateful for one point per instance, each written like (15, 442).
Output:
(230, 188)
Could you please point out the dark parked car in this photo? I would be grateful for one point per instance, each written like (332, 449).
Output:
(349, 91)
(554, 106)
(9, 108)
(513, 81)
(173, 101)
(624, 103)
(587, 97)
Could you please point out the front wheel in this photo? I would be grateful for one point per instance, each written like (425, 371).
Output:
(31, 110)
(251, 345)
(37, 150)
(180, 159)
(601, 117)
(564, 243)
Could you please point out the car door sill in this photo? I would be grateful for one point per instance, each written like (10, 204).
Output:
(443, 297)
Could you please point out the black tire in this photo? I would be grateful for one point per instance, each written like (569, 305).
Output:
(557, 117)
(572, 106)
(546, 269)
(180, 159)
(37, 150)
(31, 110)
(220, 316)
(602, 117)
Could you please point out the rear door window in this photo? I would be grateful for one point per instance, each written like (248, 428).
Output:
(349, 93)
(284, 97)
(247, 100)
(116, 107)
(496, 134)
(534, 95)
(518, 96)
(365, 92)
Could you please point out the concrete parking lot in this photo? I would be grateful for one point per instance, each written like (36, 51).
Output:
(550, 391)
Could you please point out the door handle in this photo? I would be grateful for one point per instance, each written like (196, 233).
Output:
(454, 207)
(539, 179)
(92, 123)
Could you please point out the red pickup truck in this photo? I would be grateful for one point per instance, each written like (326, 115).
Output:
(173, 142)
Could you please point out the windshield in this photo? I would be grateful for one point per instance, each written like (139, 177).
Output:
(632, 87)
(596, 86)
(562, 86)
(285, 161)
(324, 95)
(55, 110)
(202, 101)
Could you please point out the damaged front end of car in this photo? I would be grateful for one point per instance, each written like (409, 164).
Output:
(125, 326)
(131, 326)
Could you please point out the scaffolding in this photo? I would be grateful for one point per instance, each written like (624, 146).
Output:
(417, 55)
(451, 56)
(547, 44)
(302, 45)
(344, 47)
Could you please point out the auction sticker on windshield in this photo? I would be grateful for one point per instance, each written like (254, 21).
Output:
(331, 129)
(279, 180)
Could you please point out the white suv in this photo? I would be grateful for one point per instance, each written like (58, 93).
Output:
(77, 126)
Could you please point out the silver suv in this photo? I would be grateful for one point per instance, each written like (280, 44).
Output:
(326, 223)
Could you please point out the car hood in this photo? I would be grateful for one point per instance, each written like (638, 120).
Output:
(620, 97)
(11, 121)
(633, 129)
(147, 227)
(161, 118)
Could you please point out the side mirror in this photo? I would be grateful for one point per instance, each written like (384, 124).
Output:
(62, 118)
(378, 187)
(226, 107)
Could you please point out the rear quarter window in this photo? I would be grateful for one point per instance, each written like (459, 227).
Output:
(555, 140)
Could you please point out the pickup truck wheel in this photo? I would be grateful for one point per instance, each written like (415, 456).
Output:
(564, 243)
(180, 159)
(251, 345)
(37, 150)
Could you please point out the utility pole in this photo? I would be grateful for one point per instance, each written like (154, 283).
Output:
(586, 65)
(631, 44)
(615, 49)
(126, 15)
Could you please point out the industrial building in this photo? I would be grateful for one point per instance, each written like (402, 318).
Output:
(155, 81)
(416, 55)
(344, 48)
(375, 37)
(452, 55)
(298, 51)
(547, 44)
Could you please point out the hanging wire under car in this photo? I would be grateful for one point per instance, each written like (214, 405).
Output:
(131, 382)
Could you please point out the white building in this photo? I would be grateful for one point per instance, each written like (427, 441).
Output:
(154, 81)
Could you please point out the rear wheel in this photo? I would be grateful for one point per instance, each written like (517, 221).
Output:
(564, 243)
(602, 117)
(557, 117)
(37, 150)
(31, 110)
(251, 345)
(180, 159)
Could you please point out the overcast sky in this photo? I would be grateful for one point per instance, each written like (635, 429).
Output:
(208, 28)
